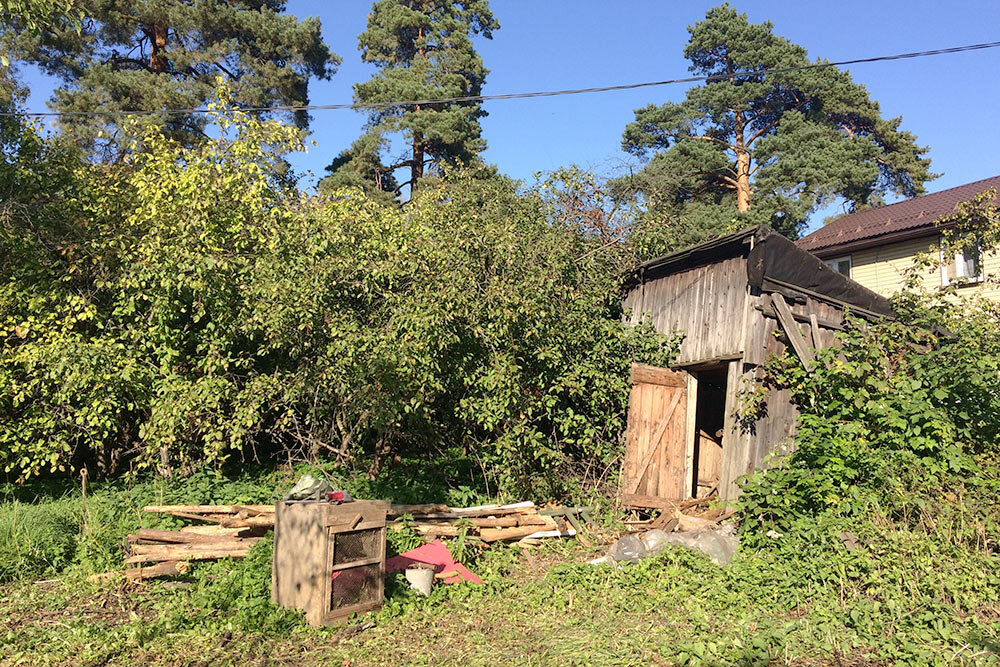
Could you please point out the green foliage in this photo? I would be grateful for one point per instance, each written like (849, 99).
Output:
(187, 305)
(36, 540)
(45, 529)
(902, 419)
(747, 148)
(167, 55)
(35, 15)
(230, 595)
(423, 50)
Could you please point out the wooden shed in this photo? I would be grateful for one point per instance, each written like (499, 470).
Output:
(728, 297)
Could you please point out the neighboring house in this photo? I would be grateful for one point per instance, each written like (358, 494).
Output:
(876, 246)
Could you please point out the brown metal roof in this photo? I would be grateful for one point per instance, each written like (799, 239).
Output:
(908, 216)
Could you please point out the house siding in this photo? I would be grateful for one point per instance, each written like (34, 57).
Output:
(883, 269)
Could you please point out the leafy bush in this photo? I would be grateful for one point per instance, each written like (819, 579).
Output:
(901, 421)
(198, 307)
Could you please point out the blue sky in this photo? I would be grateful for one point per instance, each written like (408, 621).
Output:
(950, 102)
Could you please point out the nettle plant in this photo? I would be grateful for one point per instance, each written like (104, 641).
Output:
(903, 413)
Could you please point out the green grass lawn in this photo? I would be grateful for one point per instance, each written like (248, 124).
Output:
(898, 595)
(543, 607)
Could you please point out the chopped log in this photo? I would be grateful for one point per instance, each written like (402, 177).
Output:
(225, 543)
(178, 537)
(214, 530)
(400, 510)
(430, 530)
(209, 509)
(168, 568)
(213, 518)
(156, 553)
(261, 521)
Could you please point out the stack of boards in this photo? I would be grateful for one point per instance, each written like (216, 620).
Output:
(523, 522)
(228, 531)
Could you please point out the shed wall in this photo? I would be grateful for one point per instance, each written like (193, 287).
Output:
(706, 303)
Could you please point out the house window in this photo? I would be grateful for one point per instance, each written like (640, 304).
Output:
(965, 267)
(840, 265)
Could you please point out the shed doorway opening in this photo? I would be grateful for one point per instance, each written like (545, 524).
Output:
(710, 419)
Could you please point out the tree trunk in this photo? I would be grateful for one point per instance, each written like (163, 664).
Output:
(417, 165)
(742, 181)
(742, 167)
(157, 56)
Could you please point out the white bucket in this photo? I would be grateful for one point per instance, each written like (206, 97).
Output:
(420, 578)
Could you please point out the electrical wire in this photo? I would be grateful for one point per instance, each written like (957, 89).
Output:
(367, 106)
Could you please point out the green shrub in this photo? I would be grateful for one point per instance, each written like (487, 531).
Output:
(901, 421)
(205, 309)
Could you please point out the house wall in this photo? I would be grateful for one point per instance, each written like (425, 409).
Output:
(707, 303)
(882, 269)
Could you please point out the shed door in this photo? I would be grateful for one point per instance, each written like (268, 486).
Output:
(656, 442)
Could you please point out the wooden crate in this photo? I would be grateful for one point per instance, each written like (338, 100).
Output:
(329, 560)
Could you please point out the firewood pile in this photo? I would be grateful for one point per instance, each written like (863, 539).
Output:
(523, 522)
(227, 531)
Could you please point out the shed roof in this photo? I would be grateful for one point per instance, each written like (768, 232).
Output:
(906, 219)
(773, 264)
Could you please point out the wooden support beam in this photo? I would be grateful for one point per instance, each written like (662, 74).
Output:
(655, 375)
(792, 330)
(767, 309)
(817, 340)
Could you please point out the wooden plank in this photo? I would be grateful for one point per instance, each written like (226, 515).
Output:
(641, 373)
(664, 464)
(690, 429)
(631, 437)
(209, 509)
(735, 443)
(792, 330)
(646, 445)
(654, 442)
(817, 339)
(651, 502)
(674, 453)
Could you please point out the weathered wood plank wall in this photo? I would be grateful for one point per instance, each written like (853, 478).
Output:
(733, 325)
(706, 303)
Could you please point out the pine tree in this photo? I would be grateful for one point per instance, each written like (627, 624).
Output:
(139, 56)
(747, 147)
(424, 50)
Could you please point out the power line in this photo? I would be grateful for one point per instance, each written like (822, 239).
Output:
(516, 96)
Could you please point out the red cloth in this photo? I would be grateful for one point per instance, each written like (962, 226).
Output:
(433, 553)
